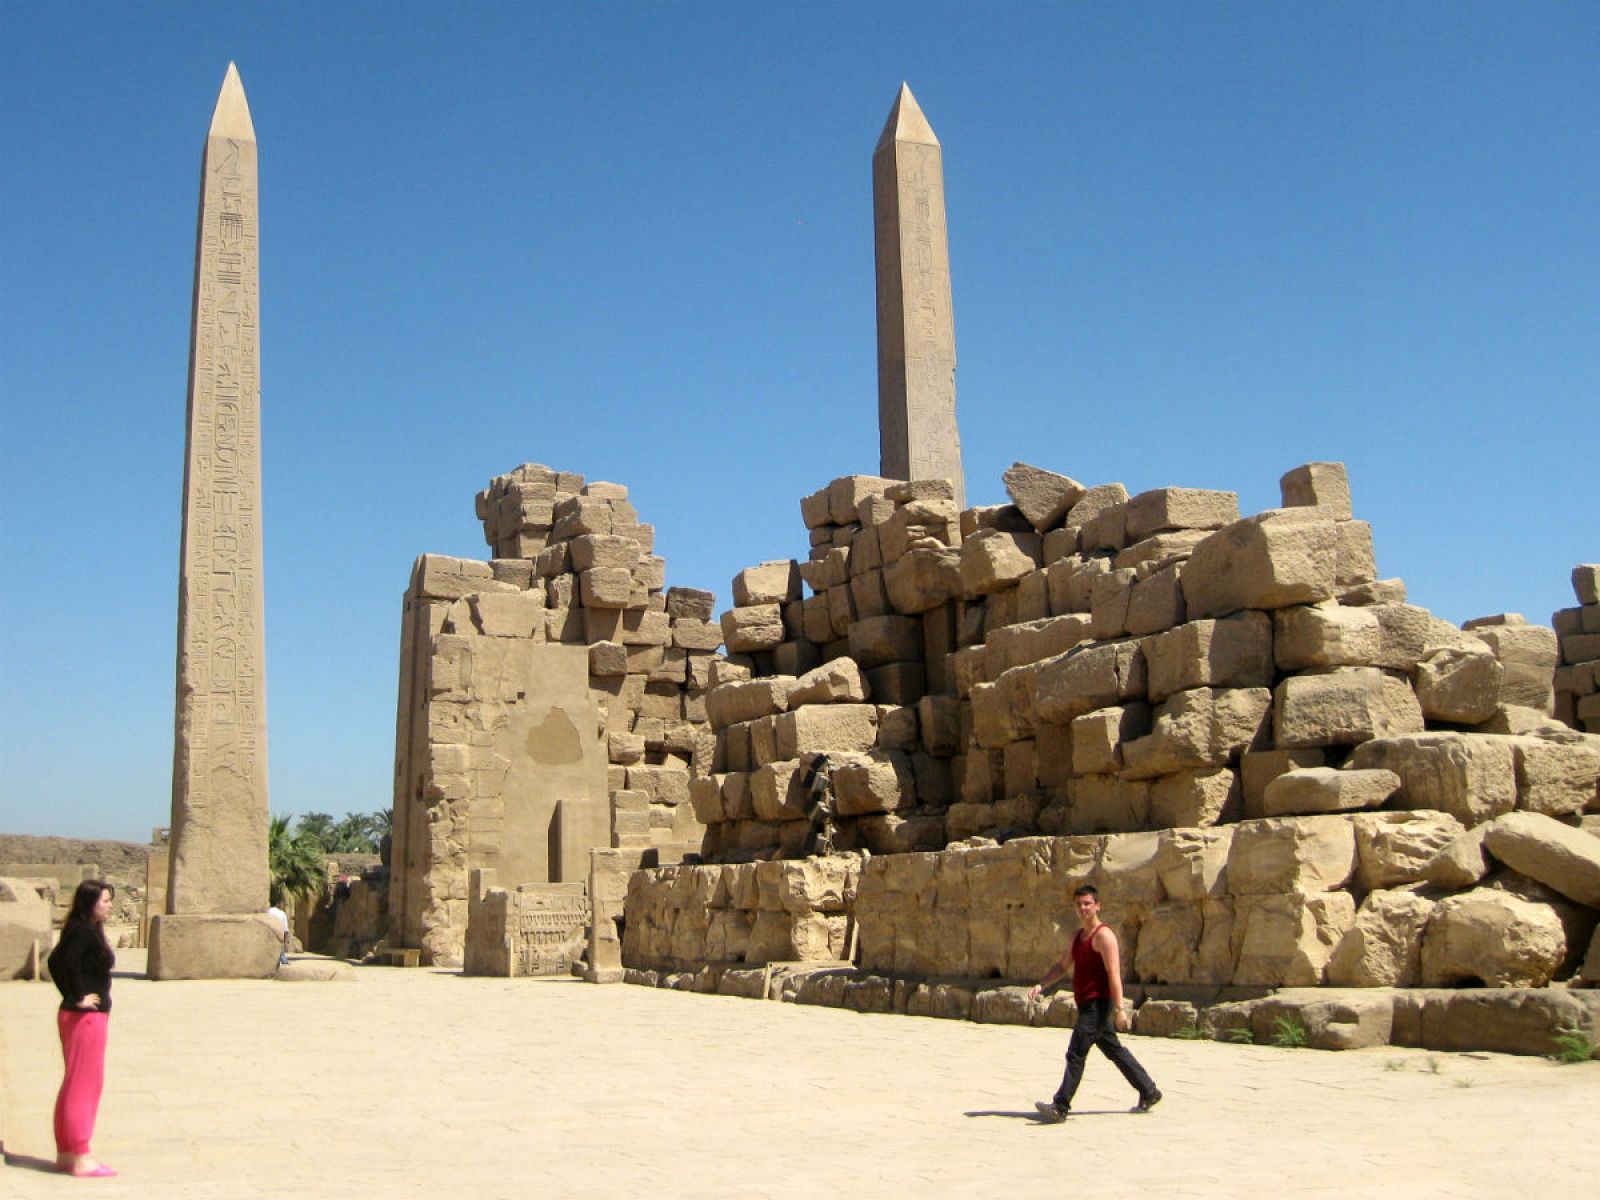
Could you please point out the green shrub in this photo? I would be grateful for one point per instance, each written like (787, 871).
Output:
(1572, 1046)
(1288, 1033)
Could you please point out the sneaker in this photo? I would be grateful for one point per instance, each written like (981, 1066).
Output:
(1146, 1103)
(1049, 1113)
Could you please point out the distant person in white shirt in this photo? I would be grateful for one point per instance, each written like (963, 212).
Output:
(282, 918)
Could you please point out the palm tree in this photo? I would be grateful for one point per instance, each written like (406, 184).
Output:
(357, 833)
(296, 862)
(318, 825)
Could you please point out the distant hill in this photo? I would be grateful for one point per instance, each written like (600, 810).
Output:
(119, 862)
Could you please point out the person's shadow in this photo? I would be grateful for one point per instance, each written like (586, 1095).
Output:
(1033, 1114)
(28, 1162)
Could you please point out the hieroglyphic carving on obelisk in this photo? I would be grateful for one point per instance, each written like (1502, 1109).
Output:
(219, 767)
(917, 434)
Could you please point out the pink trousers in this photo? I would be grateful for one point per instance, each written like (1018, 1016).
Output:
(83, 1048)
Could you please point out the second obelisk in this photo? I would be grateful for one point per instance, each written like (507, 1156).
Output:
(917, 434)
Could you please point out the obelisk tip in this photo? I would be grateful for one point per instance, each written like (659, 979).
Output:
(906, 122)
(231, 117)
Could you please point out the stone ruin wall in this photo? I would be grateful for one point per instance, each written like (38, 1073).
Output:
(570, 616)
(1577, 681)
(1280, 773)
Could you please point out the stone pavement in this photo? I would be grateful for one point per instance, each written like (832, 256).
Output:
(425, 1083)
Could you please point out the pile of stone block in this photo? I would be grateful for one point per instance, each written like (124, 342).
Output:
(1081, 660)
(1577, 681)
(1281, 773)
(571, 612)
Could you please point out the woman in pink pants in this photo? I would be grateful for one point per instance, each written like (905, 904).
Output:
(81, 966)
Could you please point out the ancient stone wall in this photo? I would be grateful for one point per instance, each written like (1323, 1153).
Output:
(1577, 680)
(551, 701)
(1281, 772)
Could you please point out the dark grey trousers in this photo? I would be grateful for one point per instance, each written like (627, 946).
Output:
(1097, 1027)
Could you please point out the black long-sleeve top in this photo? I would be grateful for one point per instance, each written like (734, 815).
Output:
(81, 964)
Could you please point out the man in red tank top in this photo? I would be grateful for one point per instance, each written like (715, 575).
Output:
(1095, 964)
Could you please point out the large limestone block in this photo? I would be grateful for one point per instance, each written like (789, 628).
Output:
(213, 946)
(509, 614)
(602, 550)
(1384, 946)
(1396, 847)
(1459, 863)
(1199, 728)
(774, 582)
(819, 884)
(1267, 561)
(1492, 937)
(1097, 737)
(747, 630)
(826, 727)
(25, 919)
(1343, 707)
(1155, 602)
(1332, 1019)
(1322, 485)
(1235, 652)
(775, 792)
(923, 578)
(1405, 632)
(1459, 685)
(836, 682)
(1043, 496)
(440, 577)
(1556, 855)
(1529, 655)
(1258, 768)
(1325, 635)
(666, 783)
(1034, 641)
(1188, 943)
(1179, 508)
(1107, 804)
(1087, 678)
(878, 641)
(1470, 776)
(1278, 855)
(1287, 940)
(877, 782)
(1506, 1020)
(1002, 712)
(1355, 563)
(1309, 790)
(747, 699)
(993, 560)
(1194, 799)
(705, 796)
(1556, 778)
(1193, 863)
(846, 493)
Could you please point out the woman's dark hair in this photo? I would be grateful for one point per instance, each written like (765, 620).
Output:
(82, 910)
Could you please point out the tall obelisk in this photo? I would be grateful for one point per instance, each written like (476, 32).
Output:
(917, 434)
(218, 875)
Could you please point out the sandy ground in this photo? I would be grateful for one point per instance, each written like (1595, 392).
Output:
(425, 1083)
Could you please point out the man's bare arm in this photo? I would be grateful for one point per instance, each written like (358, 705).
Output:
(1060, 969)
(1106, 943)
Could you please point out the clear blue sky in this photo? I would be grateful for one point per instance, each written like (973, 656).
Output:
(1192, 244)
